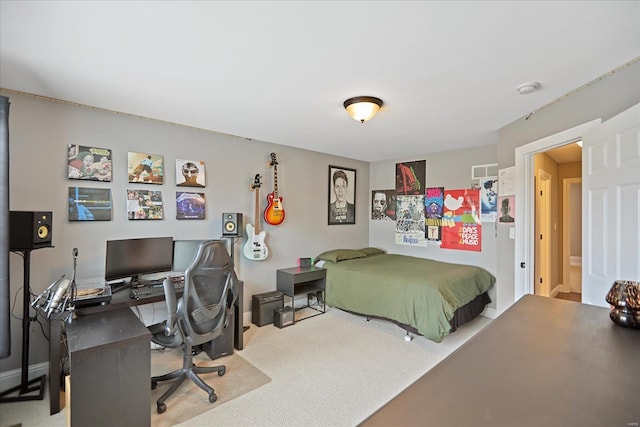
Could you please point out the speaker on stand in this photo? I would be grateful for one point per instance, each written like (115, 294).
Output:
(28, 231)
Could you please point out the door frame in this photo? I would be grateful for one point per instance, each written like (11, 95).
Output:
(567, 183)
(525, 226)
(543, 220)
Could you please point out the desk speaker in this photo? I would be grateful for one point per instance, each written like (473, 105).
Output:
(30, 230)
(232, 224)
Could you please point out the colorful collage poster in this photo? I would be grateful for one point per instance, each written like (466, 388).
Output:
(433, 207)
(461, 223)
(190, 205)
(144, 204)
(410, 220)
(89, 204)
(383, 205)
(88, 163)
(411, 177)
(146, 168)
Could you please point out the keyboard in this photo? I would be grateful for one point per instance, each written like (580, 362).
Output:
(153, 289)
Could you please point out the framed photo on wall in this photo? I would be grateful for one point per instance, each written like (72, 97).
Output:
(342, 196)
(88, 163)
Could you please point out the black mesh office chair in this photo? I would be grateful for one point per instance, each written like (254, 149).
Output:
(200, 316)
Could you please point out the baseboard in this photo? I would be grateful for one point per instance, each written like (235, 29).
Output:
(491, 313)
(13, 378)
(555, 291)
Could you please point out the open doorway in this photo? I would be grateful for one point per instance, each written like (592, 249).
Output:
(558, 229)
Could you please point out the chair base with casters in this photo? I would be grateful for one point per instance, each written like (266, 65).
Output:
(189, 370)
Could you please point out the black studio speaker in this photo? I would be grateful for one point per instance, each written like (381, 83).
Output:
(30, 230)
(232, 224)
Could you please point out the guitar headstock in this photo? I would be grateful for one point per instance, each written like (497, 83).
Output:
(256, 181)
(273, 162)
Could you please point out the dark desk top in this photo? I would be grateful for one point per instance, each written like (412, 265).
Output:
(119, 300)
(543, 362)
(104, 329)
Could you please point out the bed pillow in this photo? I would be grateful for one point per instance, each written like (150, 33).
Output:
(337, 255)
(372, 251)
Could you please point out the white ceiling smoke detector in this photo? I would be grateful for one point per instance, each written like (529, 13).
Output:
(528, 87)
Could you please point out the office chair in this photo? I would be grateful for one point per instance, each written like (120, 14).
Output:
(200, 316)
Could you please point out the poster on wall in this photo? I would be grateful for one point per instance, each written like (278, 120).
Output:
(489, 199)
(383, 205)
(190, 173)
(461, 224)
(146, 168)
(507, 210)
(189, 205)
(88, 163)
(410, 220)
(89, 204)
(433, 207)
(411, 177)
(342, 196)
(144, 204)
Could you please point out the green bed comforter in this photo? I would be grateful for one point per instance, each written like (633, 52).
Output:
(419, 292)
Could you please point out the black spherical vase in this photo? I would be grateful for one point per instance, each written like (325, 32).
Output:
(624, 296)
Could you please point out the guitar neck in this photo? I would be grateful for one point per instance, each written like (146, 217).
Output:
(257, 212)
(275, 182)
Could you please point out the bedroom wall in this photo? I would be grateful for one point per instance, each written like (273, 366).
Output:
(452, 170)
(40, 131)
(604, 99)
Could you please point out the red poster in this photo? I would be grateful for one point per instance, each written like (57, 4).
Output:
(461, 222)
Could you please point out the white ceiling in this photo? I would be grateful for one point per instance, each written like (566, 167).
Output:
(279, 71)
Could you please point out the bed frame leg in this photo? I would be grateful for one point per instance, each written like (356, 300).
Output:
(408, 337)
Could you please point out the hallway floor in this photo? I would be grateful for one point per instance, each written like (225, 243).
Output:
(570, 296)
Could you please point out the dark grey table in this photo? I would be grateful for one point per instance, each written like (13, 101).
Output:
(542, 363)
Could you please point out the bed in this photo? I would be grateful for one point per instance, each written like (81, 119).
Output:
(423, 296)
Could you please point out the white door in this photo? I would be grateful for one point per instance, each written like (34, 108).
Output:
(542, 285)
(611, 200)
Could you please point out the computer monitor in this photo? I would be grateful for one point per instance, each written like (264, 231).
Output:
(183, 253)
(136, 257)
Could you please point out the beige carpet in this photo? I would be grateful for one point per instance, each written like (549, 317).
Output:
(190, 400)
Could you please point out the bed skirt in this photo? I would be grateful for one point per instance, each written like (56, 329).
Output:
(464, 314)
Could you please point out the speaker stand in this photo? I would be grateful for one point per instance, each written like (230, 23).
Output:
(26, 386)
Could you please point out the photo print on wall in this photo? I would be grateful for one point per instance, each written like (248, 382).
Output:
(88, 163)
(383, 205)
(89, 204)
(342, 196)
(146, 168)
(144, 204)
(190, 205)
(190, 173)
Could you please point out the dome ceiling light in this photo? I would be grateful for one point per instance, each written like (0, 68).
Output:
(362, 108)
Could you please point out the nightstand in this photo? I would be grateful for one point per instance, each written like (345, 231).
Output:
(304, 280)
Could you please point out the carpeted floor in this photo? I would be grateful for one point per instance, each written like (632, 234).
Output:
(334, 369)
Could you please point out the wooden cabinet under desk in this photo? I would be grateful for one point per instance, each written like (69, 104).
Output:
(310, 281)
(110, 367)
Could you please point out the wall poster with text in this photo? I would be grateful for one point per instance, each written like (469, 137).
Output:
(88, 163)
(461, 222)
(410, 220)
(434, 206)
(89, 204)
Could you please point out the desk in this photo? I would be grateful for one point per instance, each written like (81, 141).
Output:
(120, 300)
(110, 365)
(543, 362)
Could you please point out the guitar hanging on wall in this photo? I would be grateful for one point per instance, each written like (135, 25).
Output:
(255, 249)
(274, 213)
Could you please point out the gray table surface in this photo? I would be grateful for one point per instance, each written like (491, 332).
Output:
(544, 362)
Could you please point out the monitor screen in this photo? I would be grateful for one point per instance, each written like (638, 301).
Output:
(183, 253)
(135, 257)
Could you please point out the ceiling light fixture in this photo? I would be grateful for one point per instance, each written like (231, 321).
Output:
(528, 87)
(362, 108)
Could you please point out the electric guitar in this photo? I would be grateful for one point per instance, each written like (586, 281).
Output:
(274, 213)
(255, 248)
